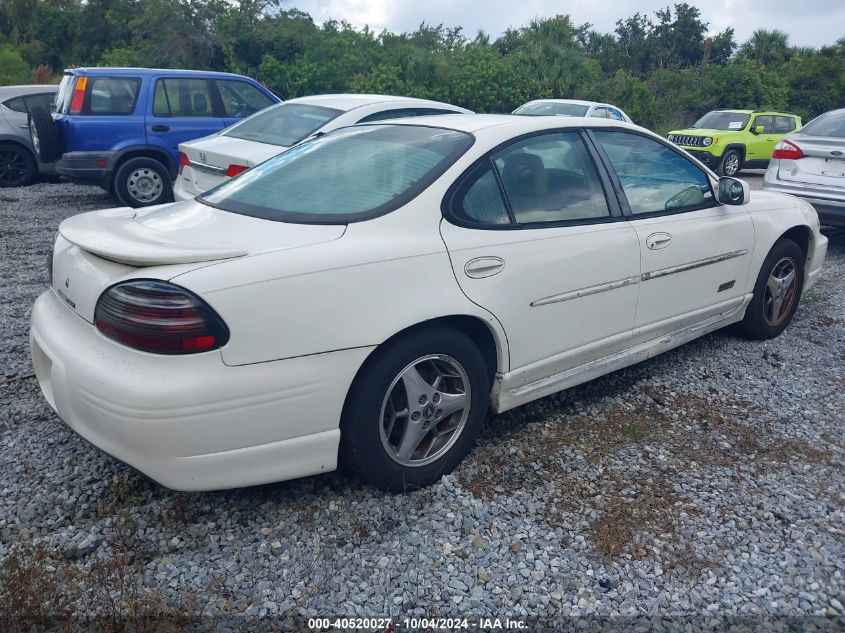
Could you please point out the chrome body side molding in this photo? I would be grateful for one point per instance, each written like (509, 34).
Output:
(671, 270)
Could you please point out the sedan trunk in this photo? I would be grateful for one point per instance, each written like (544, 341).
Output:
(823, 164)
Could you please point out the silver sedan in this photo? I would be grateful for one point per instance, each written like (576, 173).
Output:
(18, 164)
(810, 164)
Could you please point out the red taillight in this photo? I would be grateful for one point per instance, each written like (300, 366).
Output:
(788, 150)
(159, 317)
(234, 170)
(183, 161)
(78, 98)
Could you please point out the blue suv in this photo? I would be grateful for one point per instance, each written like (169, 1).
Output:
(120, 128)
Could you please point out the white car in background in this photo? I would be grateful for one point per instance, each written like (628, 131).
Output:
(572, 107)
(205, 163)
(368, 294)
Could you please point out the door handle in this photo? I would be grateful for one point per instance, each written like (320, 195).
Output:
(161, 128)
(656, 241)
(25, 126)
(484, 267)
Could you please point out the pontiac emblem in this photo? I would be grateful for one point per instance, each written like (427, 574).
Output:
(67, 282)
(203, 158)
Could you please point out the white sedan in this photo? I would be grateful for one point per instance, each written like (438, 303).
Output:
(206, 162)
(368, 294)
(572, 107)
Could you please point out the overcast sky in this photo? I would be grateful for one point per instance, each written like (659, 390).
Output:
(808, 22)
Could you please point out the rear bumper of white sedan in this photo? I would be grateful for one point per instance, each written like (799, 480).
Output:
(180, 190)
(192, 422)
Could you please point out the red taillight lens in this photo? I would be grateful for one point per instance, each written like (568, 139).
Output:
(159, 317)
(183, 161)
(788, 150)
(77, 100)
(234, 170)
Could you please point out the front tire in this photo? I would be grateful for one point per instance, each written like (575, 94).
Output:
(731, 163)
(777, 292)
(415, 409)
(17, 166)
(143, 182)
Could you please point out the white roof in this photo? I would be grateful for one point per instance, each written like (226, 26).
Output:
(348, 102)
(572, 101)
(516, 123)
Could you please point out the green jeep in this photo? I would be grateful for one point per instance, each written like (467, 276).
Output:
(729, 140)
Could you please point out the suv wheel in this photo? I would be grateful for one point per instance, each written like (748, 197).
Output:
(731, 163)
(143, 182)
(44, 134)
(17, 166)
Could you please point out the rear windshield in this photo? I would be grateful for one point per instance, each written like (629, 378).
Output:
(828, 124)
(551, 109)
(284, 125)
(722, 121)
(62, 103)
(348, 175)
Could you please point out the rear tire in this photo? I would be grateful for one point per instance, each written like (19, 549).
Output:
(777, 292)
(17, 165)
(415, 409)
(44, 134)
(731, 163)
(143, 182)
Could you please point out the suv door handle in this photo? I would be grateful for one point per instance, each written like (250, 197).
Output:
(161, 128)
(656, 241)
(25, 126)
(484, 267)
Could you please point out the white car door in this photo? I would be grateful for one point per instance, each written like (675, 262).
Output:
(535, 239)
(695, 252)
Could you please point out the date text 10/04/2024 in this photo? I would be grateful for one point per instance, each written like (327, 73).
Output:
(388, 625)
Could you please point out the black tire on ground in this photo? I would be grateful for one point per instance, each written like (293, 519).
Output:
(366, 414)
(731, 163)
(142, 182)
(775, 302)
(44, 134)
(17, 165)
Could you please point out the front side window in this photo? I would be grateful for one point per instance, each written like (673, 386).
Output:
(241, 99)
(546, 108)
(182, 97)
(767, 123)
(348, 175)
(551, 178)
(284, 125)
(654, 177)
(112, 95)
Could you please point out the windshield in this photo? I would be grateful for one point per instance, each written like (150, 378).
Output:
(348, 175)
(828, 124)
(63, 94)
(284, 125)
(722, 121)
(551, 109)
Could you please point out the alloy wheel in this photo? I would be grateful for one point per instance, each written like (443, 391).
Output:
(13, 167)
(781, 291)
(425, 410)
(731, 165)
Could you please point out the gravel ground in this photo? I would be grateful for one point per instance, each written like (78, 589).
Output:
(705, 484)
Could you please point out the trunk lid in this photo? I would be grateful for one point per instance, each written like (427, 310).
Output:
(96, 249)
(823, 163)
(211, 157)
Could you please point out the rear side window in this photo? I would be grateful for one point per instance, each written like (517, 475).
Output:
(27, 102)
(615, 115)
(182, 97)
(112, 95)
(784, 124)
(241, 99)
(348, 175)
(479, 200)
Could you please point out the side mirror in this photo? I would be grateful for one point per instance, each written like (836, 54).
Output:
(758, 129)
(733, 191)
